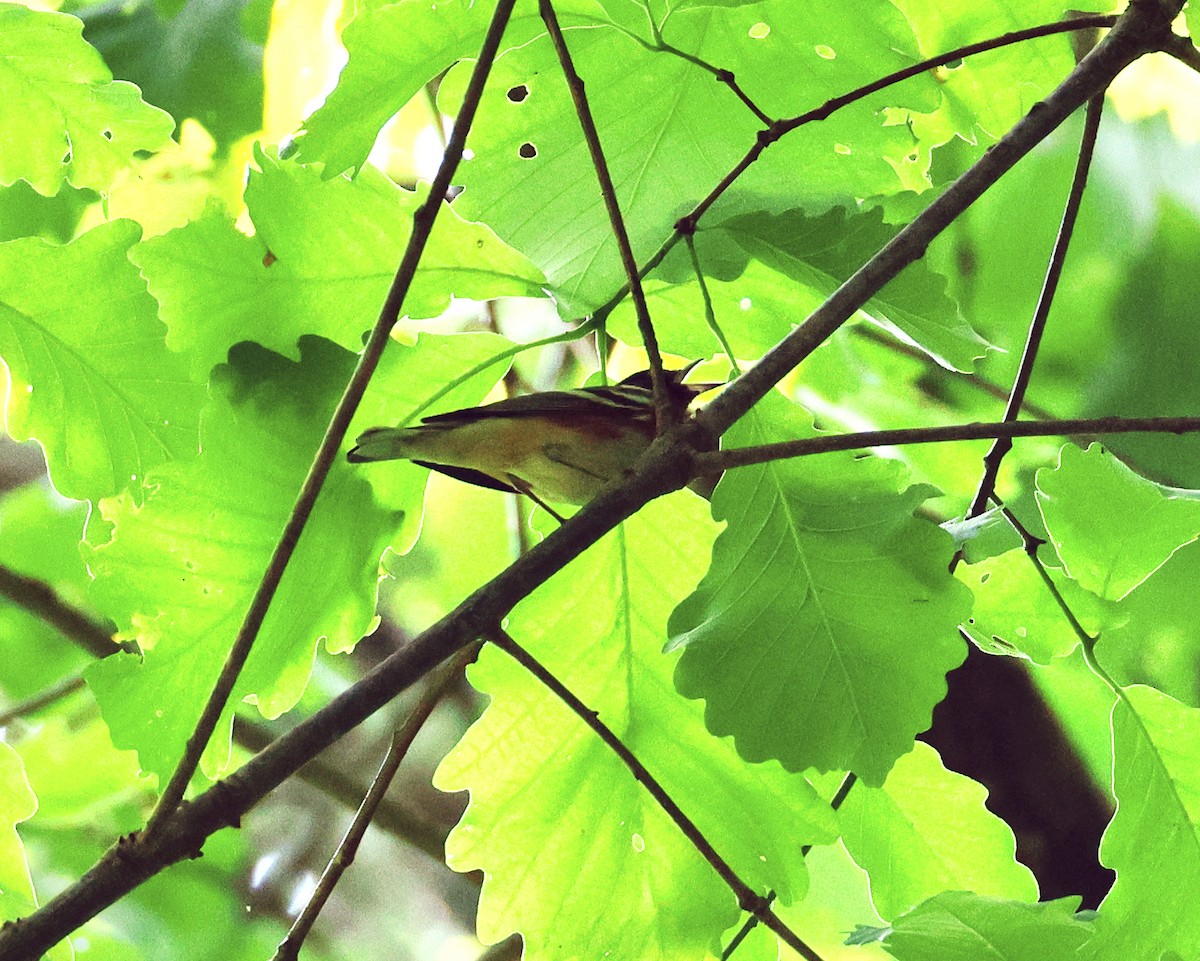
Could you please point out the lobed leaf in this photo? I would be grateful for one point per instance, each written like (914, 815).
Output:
(823, 631)
(92, 378)
(1111, 552)
(576, 854)
(321, 262)
(927, 830)
(1153, 841)
(62, 118)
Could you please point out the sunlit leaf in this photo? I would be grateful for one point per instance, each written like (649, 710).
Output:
(62, 118)
(576, 853)
(93, 380)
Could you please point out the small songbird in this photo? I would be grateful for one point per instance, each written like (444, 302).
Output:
(560, 446)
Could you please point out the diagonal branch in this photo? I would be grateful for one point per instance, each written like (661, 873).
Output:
(667, 466)
(665, 411)
(827, 443)
(748, 898)
(1016, 398)
(423, 221)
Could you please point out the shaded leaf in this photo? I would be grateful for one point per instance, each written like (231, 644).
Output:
(822, 634)
(1110, 552)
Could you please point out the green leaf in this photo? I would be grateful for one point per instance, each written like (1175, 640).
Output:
(17, 803)
(813, 256)
(927, 830)
(214, 73)
(531, 169)
(1154, 639)
(321, 262)
(961, 926)
(179, 571)
(1110, 552)
(1153, 842)
(1015, 612)
(575, 852)
(1147, 368)
(92, 379)
(62, 118)
(987, 93)
(394, 49)
(39, 537)
(826, 600)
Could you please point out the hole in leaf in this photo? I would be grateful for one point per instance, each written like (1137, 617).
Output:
(842, 149)
(518, 93)
(269, 258)
(825, 52)
(759, 31)
(66, 157)
(106, 134)
(527, 151)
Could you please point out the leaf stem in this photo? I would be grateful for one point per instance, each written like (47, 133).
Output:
(666, 412)
(748, 899)
(709, 314)
(423, 221)
(1037, 326)
(708, 463)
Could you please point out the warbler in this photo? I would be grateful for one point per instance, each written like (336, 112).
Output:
(560, 446)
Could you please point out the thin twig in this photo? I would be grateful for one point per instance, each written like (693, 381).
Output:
(751, 922)
(748, 898)
(959, 53)
(710, 315)
(667, 466)
(1141, 27)
(1037, 326)
(394, 817)
(44, 602)
(402, 739)
(666, 412)
(79, 627)
(714, 461)
(723, 76)
(51, 695)
(423, 221)
(1183, 50)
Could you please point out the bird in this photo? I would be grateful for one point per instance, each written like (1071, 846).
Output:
(558, 446)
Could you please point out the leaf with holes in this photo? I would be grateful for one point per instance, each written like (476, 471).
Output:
(62, 118)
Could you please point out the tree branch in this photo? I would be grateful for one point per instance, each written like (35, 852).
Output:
(1037, 326)
(402, 739)
(423, 221)
(827, 443)
(1139, 29)
(44, 602)
(748, 898)
(665, 411)
(667, 466)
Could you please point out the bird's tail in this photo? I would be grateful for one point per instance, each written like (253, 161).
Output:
(380, 443)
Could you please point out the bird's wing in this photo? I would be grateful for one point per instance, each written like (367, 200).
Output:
(469, 476)
(586, 400)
